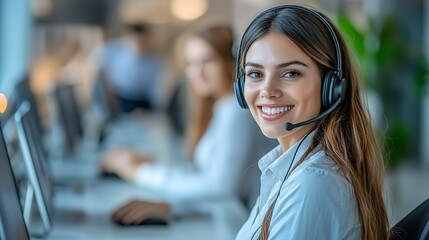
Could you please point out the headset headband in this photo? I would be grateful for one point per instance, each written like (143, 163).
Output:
(338, 59)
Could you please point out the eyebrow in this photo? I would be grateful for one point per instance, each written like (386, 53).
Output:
(282, 65)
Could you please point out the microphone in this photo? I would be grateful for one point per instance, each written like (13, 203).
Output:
(290, 126)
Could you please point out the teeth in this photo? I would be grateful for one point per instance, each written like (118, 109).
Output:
(277, 110)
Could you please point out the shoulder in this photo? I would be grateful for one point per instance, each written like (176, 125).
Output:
(317, 198)
(232, 119)
(318, 184)
(318, 175)
(232, 111)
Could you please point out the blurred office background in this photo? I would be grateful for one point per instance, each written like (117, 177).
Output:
(55, 40)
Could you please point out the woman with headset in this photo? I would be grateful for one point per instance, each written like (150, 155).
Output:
(324, 181)
(223, 138)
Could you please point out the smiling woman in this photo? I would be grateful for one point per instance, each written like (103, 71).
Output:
(282, 85)
(324, 181)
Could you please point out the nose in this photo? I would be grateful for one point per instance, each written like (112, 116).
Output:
(201, 69)
(270, 89)
(195, 69)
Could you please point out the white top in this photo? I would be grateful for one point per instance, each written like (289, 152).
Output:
(231, 144)
(315, 202)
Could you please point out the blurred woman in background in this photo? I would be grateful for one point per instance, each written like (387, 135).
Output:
(224, 139)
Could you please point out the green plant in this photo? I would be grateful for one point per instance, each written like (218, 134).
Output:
(380, 53)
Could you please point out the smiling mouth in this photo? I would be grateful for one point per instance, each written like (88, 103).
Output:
(274, 113)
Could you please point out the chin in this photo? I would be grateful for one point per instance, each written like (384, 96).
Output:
(273, 133)
(204, 94)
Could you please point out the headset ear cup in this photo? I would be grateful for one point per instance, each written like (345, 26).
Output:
(340, 89)
(244, 103)
(327, 89)
(239, 91)
(333, 82)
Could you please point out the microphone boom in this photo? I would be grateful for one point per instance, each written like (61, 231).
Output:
(290, 126)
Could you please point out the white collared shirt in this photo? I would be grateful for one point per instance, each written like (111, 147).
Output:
(316, 201)
(231, 144)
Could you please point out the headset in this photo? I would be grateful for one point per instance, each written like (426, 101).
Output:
(334, 85)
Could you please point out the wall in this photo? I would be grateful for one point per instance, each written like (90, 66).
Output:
(15, 27)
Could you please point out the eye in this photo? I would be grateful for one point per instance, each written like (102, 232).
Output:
(291, 74)
(207, 61)
(254, 74)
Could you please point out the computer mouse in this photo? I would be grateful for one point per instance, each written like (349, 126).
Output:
(147, 221)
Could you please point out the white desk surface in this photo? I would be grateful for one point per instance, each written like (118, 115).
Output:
(84, 212)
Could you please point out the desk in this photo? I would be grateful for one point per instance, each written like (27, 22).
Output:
(97, 201)
(149, 133)
(84, 212)
(152, 134)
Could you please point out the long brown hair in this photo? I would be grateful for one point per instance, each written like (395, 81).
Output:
(346, 135)
(220, 38)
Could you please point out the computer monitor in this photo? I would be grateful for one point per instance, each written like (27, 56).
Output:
(12, 225)
(23, 92)
(37, 166)
(69, 114)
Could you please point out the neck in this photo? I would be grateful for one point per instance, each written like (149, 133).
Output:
(287, 141)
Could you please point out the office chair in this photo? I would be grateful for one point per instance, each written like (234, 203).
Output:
(413, 226)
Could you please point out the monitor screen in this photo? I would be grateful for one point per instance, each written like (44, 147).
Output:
(23, 93)
(40, 161)
(69, 114)
(11, 219)
(37, 166)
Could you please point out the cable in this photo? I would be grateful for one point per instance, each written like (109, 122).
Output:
(284, 179)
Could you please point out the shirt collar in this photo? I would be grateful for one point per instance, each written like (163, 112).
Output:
(278, 162)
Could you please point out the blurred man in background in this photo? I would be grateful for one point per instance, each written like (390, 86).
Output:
(132, 71)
